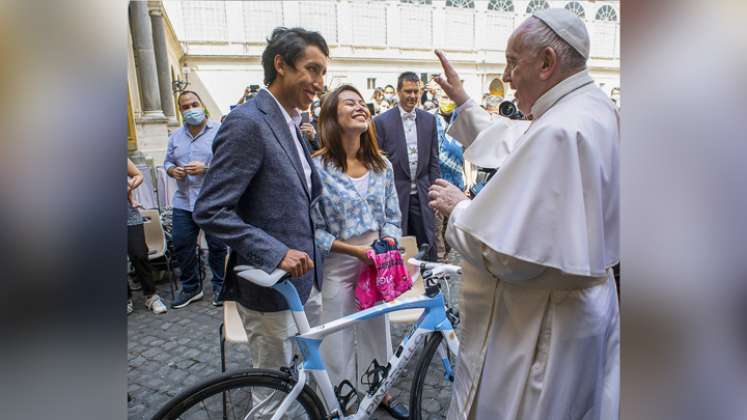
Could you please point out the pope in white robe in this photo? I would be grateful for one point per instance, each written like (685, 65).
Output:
(540, 317)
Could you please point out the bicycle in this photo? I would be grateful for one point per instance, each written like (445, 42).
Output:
(286, 393)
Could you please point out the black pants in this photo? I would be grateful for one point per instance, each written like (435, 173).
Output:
(416, 227)
(137, 250)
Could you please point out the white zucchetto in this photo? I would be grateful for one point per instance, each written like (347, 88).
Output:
(569, 27)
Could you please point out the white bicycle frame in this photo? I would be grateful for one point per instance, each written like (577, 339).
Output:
(433, 320)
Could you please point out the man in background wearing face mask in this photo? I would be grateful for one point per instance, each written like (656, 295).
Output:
(187, 159)
(390, 96)
(450, 159)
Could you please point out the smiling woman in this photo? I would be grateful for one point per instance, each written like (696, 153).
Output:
(358, 206)
(344, 112)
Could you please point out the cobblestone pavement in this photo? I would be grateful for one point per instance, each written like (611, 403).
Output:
(172, 351)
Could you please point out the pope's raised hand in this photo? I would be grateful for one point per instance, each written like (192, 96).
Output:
(451, 84)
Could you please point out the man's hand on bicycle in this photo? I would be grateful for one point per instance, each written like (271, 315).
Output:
(297, 263)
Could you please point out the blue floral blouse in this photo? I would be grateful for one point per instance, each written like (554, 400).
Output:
(341, 213)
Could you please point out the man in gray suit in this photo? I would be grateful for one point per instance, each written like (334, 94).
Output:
(409, 138)
(257, 195)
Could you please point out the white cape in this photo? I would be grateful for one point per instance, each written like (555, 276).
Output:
(494, 144)
(554, 201)
(539, 342)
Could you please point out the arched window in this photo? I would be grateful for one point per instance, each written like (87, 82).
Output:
(462, 4)
(501, 5)
(535, 5)
(415, 1)
(576, 8)
(606, 13)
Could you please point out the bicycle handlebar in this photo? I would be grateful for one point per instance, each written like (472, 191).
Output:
(259, 277)
(435, 268)
(264, 279)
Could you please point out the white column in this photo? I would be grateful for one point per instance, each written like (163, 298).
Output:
(145, 61)
(162, 63)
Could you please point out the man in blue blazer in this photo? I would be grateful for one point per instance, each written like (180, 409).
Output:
(409, 138)
(258, 193)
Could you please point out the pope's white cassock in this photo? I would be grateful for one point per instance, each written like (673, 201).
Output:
(540, 330)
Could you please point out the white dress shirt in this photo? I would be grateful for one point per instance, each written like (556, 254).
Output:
(294, 122)
(411, 140)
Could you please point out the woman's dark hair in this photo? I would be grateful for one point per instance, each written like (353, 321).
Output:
(185, 92)
(290, 44)
(331, 137)
(409, 76)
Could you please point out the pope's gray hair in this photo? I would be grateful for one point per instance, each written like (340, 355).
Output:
(537, 35)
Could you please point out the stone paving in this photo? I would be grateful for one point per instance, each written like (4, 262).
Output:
(171, 351)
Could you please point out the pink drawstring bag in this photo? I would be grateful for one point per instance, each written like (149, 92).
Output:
(385, 280)
(366, 294)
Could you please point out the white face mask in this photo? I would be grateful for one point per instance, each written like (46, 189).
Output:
(317, 111)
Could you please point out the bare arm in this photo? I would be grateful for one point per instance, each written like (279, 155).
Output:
(135, 178)
(357, 251)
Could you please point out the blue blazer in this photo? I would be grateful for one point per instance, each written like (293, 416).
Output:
(255, 199)
(390, 134)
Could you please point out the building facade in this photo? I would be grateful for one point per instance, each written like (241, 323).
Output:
(219, 43)
(153, 66)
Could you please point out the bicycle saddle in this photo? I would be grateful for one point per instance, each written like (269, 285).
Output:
(259, 277)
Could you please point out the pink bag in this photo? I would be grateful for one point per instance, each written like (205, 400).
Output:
(385, 280)
(366, 294)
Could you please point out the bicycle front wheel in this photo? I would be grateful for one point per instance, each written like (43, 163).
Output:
(431, 387)
(253, 394)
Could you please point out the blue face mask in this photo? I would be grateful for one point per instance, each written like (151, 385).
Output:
(194, 116)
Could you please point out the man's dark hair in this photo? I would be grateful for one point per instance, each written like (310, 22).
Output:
(409, 76)
(290, 44)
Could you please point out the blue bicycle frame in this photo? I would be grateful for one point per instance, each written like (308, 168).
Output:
(432, 320)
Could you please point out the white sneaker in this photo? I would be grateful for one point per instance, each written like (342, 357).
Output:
(155, 304)
(130, 306)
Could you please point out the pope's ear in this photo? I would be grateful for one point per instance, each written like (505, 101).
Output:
(549, 63)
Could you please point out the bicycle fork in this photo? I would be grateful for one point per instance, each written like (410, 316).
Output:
(444, 355)
(323, 383)
(287, 401)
